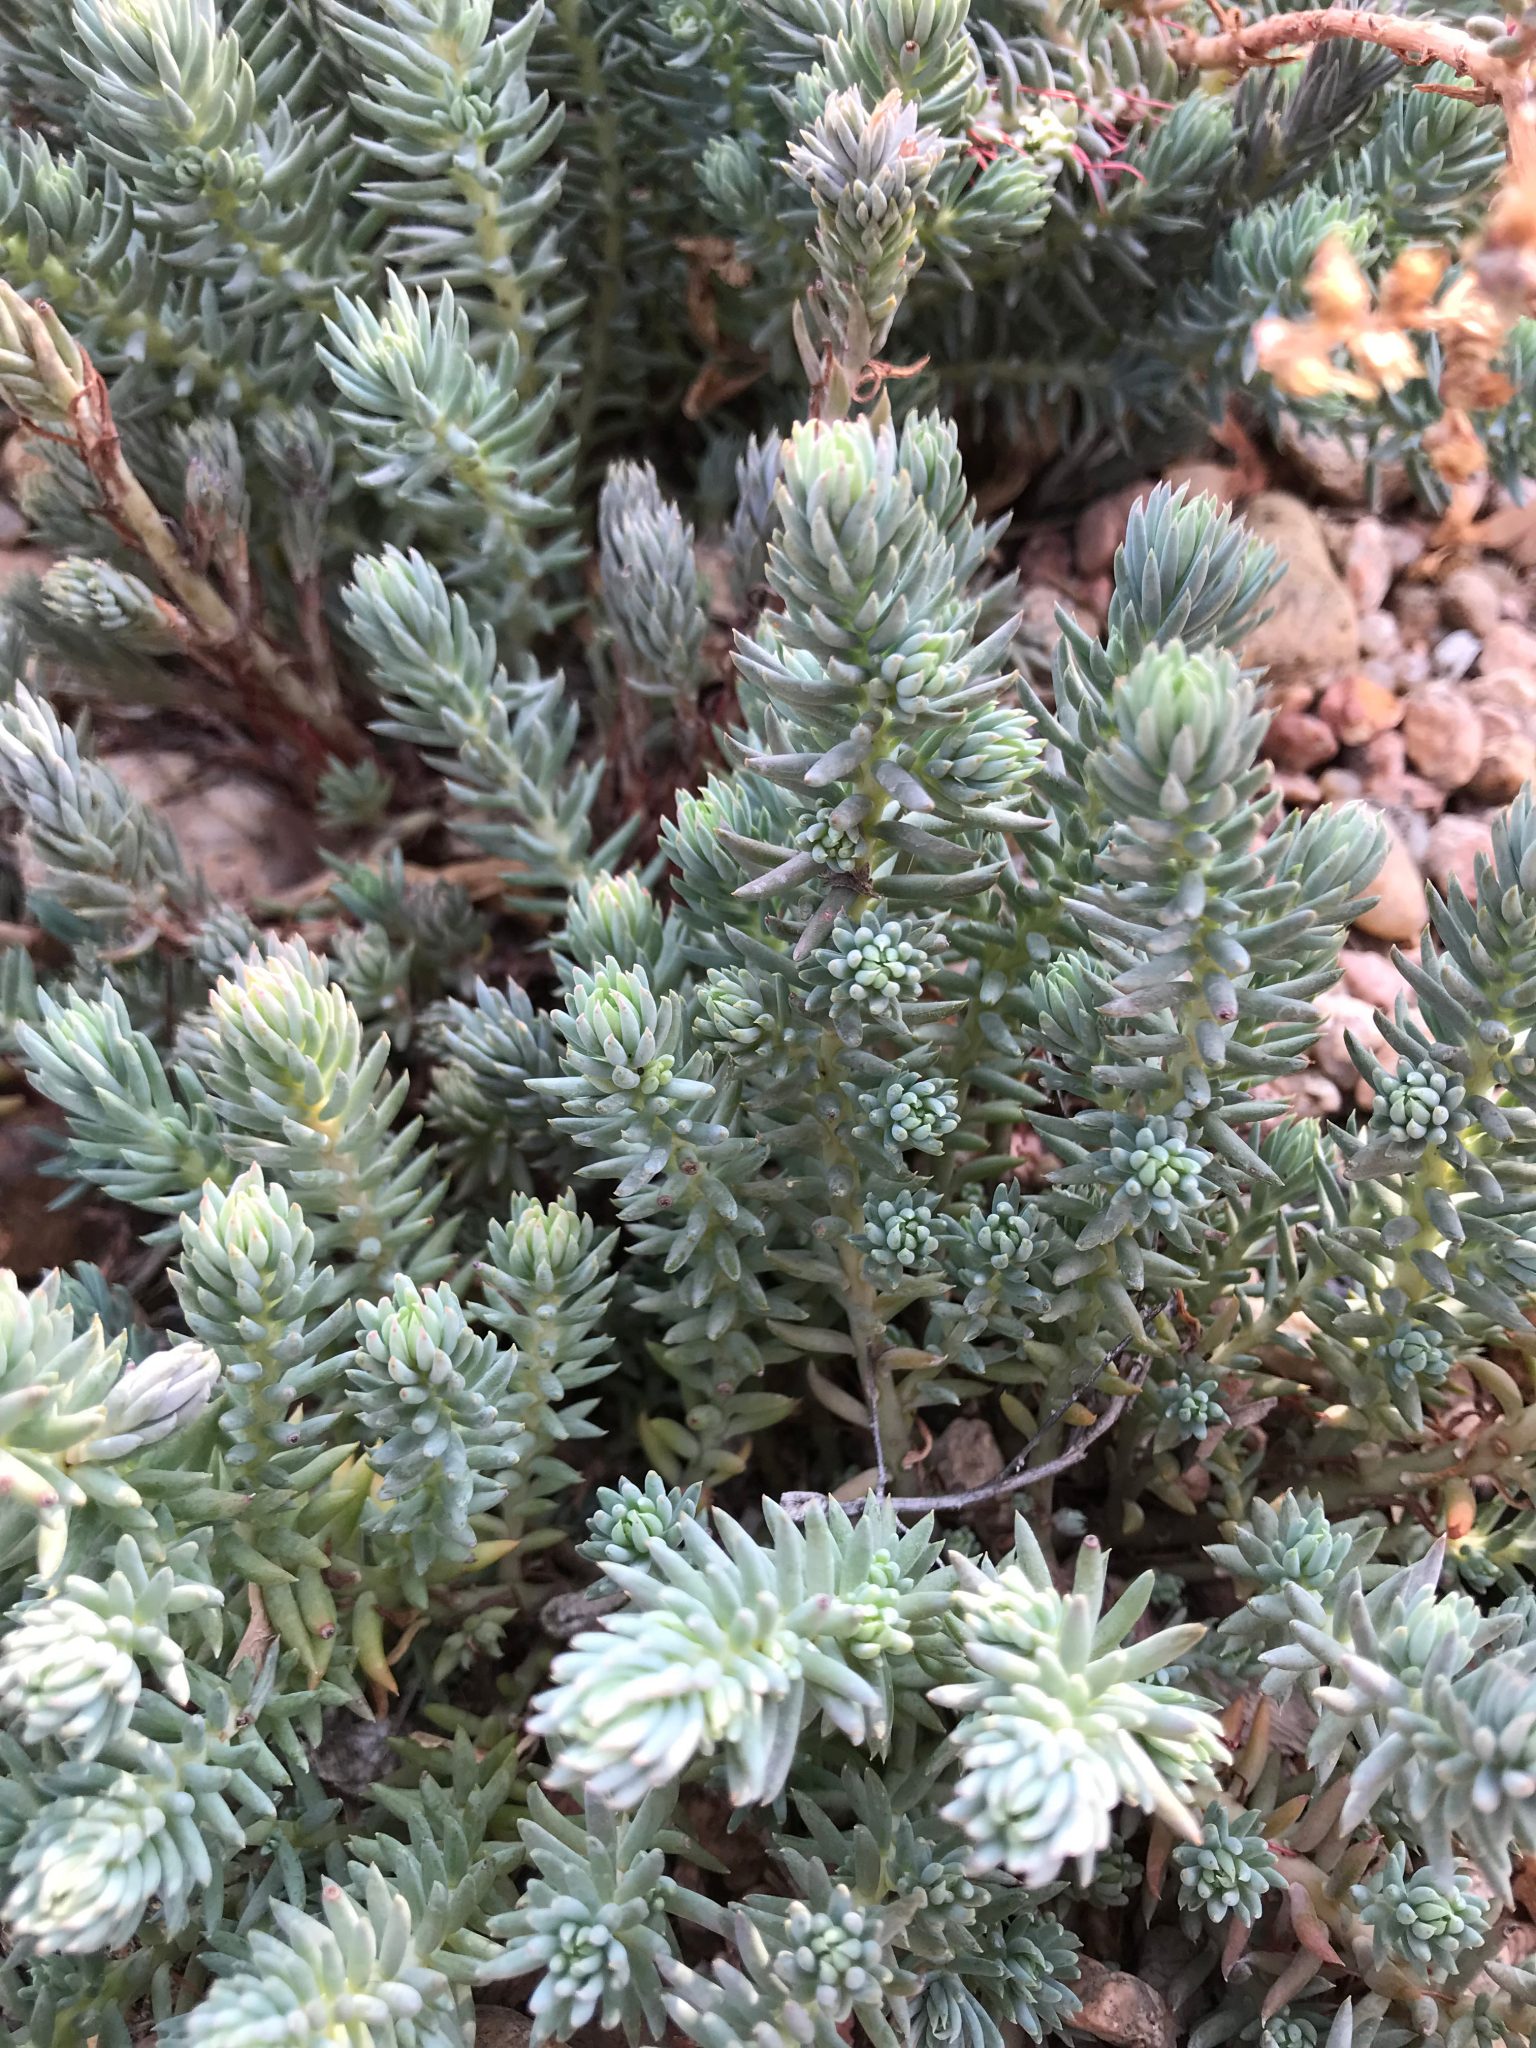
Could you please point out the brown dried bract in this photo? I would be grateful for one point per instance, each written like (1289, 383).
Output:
(1360, 344)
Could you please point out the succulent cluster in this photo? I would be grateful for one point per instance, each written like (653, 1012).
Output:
(716, 1393)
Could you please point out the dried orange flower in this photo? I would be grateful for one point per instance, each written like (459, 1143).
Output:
(1356, 344)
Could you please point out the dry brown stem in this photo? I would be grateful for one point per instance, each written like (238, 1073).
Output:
(1280, 36)
(233, 649)
(69, 401)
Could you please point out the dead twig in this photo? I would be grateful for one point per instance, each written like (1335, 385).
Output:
(1275, 38)
(210, 630)
(1017, 1473)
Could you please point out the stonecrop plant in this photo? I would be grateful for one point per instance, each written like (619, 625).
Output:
(483, 1545)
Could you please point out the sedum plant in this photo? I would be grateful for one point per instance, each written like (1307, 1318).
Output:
(476, 1535)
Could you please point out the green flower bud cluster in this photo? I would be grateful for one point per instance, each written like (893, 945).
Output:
(734, 1011)
(985, 763)
(734, 1649)
(834, 845)
(351, 796)
(757, 478)
(1116, 1876)
(1192, 1405)
(1294, 1544)
(1288, 2030)
(1419, 1919)
(147, 1821)
(1063, 1719)
(629, 1518)
(898, 1235)
(650, 582)
(623, 1044)
(53, 1390)
(833, 1959)
(913, 1112)
(1420, 1104)
(1289, 1561)
(1002, 1239)
(1230, 1869)
(1037, 1961)
(614, 917)
(150, 1398)
(321, 1981)
(869, 971)
(1159, 1169)
(1416, 1362)
(250, 1287)
(591, 1922)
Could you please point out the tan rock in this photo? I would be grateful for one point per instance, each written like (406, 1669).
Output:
(1358, 707)
(965, 1456)
(1297, 742)
(1510, 648)
(497, 2026)
(1328, 462)
(1046, 557)
(1400, 911)
(1380, 636)
(1337, 529)
(1038, 605)
(1101, 529)
(1309, 1093)
(1119, 2008)
(1292, 696)
(244, 838)
(1417, 610)
(1384, 768)
(1505, 689)
(1510, 526)
(1509, 755)
(1408, 540)
(1470, 597)
(1368, 565)
(1373, 977)
(1511, 687)
(1454, 846)
(1300, 791)
(1205, 480)
(1344, 1017)
(1311, 626)
(1443, 735)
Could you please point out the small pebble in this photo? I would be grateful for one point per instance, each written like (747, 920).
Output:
(1455, 654)
(1380, 636)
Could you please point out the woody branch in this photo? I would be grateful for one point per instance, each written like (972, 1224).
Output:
(1417, 42)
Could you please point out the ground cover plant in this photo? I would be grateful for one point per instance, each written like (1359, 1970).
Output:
(476, 1551)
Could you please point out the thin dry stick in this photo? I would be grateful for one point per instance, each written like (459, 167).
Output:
(215, 635)
(1017, 1474)
(221, 637)
(1416, 42)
